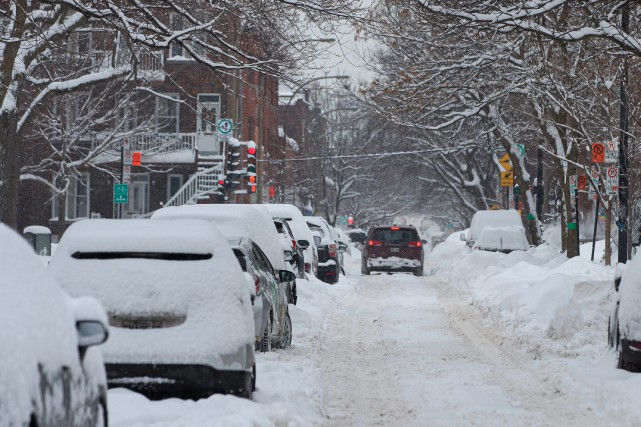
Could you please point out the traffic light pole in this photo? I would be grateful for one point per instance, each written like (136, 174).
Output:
(622, 222)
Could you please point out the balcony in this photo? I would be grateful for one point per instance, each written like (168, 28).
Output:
(155, 148)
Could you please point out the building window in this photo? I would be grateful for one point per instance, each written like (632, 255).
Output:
(177, 24)
(167, 113)
(174, 182)
(77, 198)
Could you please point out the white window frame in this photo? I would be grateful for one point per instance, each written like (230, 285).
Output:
(160, 119)
(169, 178)
(72, 195)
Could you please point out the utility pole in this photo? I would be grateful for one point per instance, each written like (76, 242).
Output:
(622, 223)
(539, 185)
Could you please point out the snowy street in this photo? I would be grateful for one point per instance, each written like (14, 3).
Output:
(395, 350)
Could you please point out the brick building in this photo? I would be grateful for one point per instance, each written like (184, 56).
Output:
(182, 154)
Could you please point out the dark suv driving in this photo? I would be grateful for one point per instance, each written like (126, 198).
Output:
(393, 248)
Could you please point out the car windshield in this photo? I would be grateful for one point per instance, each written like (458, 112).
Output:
(394, 236)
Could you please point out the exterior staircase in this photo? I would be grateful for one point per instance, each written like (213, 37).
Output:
(200, 186)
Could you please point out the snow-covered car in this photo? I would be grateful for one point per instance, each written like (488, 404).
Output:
(490, 218)
(296, 259)
(300, 231)
(502, 239)
(178, 303)
(393, 248)
(329, 266)
(273, 326)
(50, 373)
(624, 326)
(235, 221)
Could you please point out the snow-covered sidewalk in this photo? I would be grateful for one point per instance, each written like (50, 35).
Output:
(555, 309)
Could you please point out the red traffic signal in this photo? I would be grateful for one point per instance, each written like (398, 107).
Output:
(251, 151)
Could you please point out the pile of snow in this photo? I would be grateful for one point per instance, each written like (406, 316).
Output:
(491, 218)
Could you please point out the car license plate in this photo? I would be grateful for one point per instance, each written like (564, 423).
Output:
(141, 324)
(393, 249)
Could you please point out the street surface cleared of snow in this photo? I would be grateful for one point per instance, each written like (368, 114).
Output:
(484, 339)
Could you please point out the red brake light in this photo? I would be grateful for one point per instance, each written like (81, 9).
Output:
(293, 244)
(395, 228)
(374, 243)
(332, 250)
(416, 244)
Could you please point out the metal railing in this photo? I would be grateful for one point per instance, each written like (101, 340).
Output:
(200, 185)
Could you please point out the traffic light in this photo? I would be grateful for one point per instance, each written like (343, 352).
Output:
(251, 167)
(233, 146)
(221, 184)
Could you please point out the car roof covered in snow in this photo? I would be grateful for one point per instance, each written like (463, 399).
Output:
(295, 218)
(235, 221)
(492, 218)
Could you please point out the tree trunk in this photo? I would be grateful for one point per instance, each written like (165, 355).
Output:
(10, 162)
(608, 231)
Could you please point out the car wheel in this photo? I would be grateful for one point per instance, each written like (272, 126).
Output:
(418, 271)
(365, 270)
(248, 388)
(266, 340)
(286, 338)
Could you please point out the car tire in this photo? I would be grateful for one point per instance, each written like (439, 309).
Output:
(419, 271)
(365, 270)
(286, 337)
(247, 389)
(266, 340)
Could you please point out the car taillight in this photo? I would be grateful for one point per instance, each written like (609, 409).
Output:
(374, 243)
(394, 228)
(294, 244)
(415, 244)
(257, 283)
(332, 250)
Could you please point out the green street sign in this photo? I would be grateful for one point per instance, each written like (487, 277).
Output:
(121, 193)
(571, 225)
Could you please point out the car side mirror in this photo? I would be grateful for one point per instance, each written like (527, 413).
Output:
(317, 240)
(462, 237)
(288, 256)
(470, 243)
(423, 241)
(91, 332)
(304, 244)
(342, 247)
(286, 276)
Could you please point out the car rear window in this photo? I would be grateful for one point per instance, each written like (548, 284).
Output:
(165, 256)
(395, 236)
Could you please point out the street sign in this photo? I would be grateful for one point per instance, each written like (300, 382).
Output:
(598, 152)
(225, 126)
(521, 148)
(126, 174)
(612, 152)
(507, 179)
(612, 181)
(126, 145)
(121, 193)
(582, 181)
(135, 158)
(572, 182)
(127, 157)
(505, 162)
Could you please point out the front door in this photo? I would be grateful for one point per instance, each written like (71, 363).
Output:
(138, 196)
(207, 115)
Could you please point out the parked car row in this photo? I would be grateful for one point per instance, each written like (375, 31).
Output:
(186, 298)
